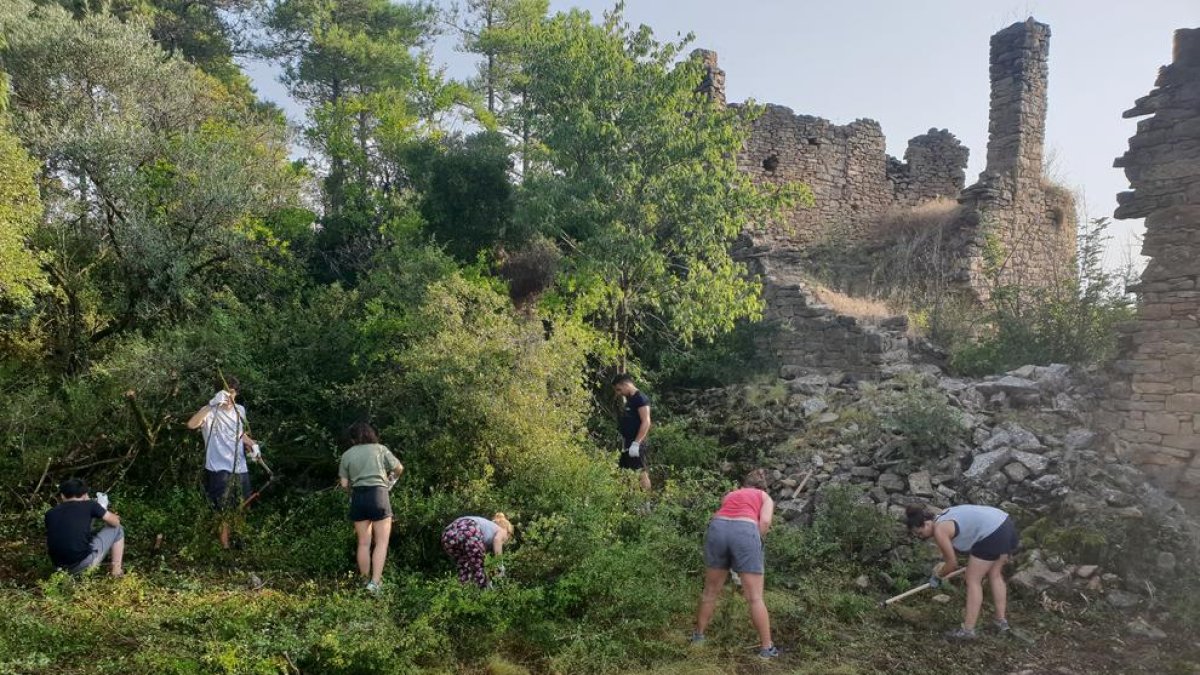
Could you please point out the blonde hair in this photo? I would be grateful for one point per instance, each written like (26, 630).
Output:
(502, 520)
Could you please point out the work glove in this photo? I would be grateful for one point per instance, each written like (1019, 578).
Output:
(102, 500)
(255, 453)
(635, 449)
(392, 482)
(218, 399)
(500, 573)
(935, 581)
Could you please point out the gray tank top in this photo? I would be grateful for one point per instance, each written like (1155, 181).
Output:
(487, 527)
(974, 523)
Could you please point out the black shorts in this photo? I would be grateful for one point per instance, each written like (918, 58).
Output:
(370, 503)
(1004, 541)
(221, 494)
(635, 463)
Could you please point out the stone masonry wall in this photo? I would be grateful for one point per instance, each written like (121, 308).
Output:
(1019, 220)
(1156, 395)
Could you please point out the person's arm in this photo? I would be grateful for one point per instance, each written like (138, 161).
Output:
(110, 518)
(198, 419)
(344, 483)
(943, 532)
(343, 474)
(498, 541)
(765, 514)
(396, 467)
(644, 415)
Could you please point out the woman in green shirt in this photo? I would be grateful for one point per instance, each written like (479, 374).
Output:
(369, 470)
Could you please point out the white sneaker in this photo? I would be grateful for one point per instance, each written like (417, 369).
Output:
(374, 588)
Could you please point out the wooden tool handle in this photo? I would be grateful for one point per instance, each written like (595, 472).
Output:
(920, 588)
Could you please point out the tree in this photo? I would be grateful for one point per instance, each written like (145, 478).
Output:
(20, 212)
(159, 182)
(638, 181)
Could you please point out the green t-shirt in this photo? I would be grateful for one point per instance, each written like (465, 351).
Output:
(367, 465)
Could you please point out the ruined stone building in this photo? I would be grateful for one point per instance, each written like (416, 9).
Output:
(1156, 394)
(1011, 214)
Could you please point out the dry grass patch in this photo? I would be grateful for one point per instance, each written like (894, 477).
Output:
(868, 310)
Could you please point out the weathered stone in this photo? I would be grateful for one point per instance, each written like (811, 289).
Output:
(1122, 599)
(864, 472)
(985, 464)
(1050, 481)
(920, 484)
(809, 384)
(813, 406)
(1016, 472)
(1037, 464)
(1036, 576)
(1086, 571)
(1079, 439)
(891, 482)
(1013, 386)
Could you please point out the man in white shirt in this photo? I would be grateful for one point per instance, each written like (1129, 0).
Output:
(228, 450)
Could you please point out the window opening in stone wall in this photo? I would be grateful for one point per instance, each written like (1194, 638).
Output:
(771, 163)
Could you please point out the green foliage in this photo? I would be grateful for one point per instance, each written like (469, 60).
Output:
(730, 358)
(636, 176)
(1072, 321)
(677, 446)
(20, 211)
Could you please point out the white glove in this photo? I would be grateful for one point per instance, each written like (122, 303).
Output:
(102, 500)
(255, 453)
(635, 449)
(218, 399)
(392, 482)
(500, 573)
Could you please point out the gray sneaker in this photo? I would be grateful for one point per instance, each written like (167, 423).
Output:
(374, 588)
(961, 634)
(697, 639)
(1002, 626)
(768, 653)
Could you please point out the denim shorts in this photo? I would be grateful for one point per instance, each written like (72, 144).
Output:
(733, 545)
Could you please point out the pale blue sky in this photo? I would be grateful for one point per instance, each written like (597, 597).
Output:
(920, 64)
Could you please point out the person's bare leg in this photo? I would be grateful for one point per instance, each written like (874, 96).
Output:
(383, 531)
(714, 581)
(644, 479)
(976, 570)
(752, 588)
(362, 554)
(118, 557)
(999, 588)
(223, 535)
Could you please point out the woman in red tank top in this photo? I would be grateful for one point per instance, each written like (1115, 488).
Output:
(734, 542)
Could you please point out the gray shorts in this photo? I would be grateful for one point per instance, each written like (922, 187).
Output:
(102, 543)
(733, 545)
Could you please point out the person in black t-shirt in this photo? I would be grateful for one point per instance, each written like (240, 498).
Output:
(72, 544)
(634, 425)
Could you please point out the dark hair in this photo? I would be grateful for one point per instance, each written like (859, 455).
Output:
(361, 433)
(73, 487)
(622, 378)
(756, 479)
(230, 382)
(916, 515)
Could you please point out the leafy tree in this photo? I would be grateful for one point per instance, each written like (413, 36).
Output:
(638, 181)
(467, 200)
(159, 182)
(20, 212)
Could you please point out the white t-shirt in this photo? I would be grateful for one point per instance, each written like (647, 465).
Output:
(223, 430)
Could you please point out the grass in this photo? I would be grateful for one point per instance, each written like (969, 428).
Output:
(865, 309)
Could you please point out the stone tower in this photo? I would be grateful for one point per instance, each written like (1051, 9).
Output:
(1157, 395)
(1017, 118)
(1017, 217)
(713, 84)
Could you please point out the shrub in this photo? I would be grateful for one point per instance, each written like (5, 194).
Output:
(677, 446)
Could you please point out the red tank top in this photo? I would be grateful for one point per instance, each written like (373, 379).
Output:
(743, 503)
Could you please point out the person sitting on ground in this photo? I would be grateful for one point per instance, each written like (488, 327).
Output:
(368, 470)
(734, 542)
(988, 536)
(72, 544)
(634, 426)
(227, 447)
(468, 539)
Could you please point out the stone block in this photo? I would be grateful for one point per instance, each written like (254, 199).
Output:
(1162, 423)
(1191, 442)
(1189, 403)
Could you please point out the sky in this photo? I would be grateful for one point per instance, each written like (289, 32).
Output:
(920, 64)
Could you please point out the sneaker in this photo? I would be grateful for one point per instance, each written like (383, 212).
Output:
(373, 588)
(768, 653)
(697, 639)
(961, 633)
(1002, 626)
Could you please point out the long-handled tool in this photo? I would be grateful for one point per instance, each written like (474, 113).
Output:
(918, 589)
(258, 493)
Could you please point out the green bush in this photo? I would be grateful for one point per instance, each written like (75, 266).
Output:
(677, 446)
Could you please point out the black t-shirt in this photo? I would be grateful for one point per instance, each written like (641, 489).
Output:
(630, 420)
(69, 531)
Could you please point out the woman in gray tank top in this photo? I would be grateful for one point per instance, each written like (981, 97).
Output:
(988, 536)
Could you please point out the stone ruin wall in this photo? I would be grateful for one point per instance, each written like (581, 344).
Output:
(1155, 395)
(1012, 203)
(855, 184)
